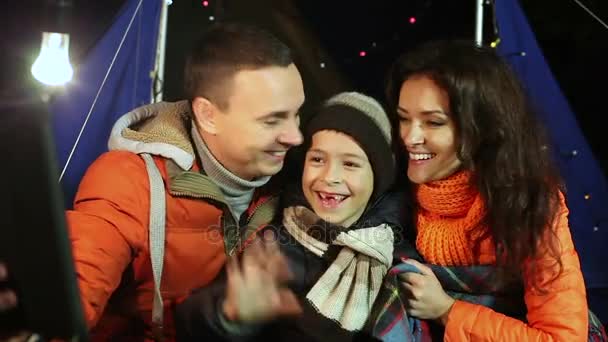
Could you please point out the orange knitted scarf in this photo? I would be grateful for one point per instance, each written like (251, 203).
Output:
(448, 210)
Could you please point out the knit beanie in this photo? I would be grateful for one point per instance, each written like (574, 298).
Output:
(365, 121)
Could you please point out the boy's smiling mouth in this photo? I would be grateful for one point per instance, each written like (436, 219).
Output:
(330, 200)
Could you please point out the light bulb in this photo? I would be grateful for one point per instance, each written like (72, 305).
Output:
(52, 67)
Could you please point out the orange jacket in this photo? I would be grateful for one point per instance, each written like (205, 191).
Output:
(559, 315)
(109, 229)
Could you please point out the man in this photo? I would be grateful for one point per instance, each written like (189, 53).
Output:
(215, 153)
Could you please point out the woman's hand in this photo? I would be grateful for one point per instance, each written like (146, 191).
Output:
(257, 289)
(426, 298)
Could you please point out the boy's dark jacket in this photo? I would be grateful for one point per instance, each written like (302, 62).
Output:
(198, 317)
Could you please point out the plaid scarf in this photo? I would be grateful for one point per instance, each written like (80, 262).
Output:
(473, 284)
(347, 290)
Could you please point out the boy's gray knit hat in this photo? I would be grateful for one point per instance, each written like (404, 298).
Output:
(362, 118)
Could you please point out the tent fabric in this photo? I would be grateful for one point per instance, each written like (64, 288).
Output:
(127, 86)
(586, 187)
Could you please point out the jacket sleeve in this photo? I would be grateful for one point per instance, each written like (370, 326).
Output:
(559, 314)
(107, 226)
(200, 317)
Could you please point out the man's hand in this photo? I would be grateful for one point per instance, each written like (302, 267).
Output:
(256, 290)
(426, 298)
(8, 298)
(8, 301)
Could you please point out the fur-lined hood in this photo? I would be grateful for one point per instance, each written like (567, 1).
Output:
(161, 128)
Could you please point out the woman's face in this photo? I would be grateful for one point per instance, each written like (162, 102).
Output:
(338, 180)
(427, 130)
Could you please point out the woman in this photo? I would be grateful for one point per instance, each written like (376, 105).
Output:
(488, 202)
(335, 241)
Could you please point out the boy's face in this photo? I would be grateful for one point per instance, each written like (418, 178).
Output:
(338, 180)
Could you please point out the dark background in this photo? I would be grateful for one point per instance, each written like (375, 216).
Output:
(336, 31)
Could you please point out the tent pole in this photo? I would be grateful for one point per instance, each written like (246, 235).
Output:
(479, 22)
(159, 67)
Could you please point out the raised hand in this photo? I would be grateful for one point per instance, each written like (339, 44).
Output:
(426, 298)
(256, 290)
(8, 298)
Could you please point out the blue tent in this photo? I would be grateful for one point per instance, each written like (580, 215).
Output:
(114, 79)
(587, 190)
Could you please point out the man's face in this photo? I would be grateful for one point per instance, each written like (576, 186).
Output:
(261, 121)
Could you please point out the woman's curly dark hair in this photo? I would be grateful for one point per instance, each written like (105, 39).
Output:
(501, 141)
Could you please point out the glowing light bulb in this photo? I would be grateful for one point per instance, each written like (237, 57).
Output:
(52, 67)
(412, 20)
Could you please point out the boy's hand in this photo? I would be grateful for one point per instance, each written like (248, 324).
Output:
(256, 290)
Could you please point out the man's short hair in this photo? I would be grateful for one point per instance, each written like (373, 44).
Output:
(225, 49)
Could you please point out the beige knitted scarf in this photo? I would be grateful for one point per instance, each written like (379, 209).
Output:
(347, 290)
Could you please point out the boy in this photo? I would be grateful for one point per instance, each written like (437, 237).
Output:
(334, 246)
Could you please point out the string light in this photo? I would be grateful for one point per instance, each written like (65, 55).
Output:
(516, 54)
(412, 20)
(569, 154)
(362, 54)
(495, 43)
(587, 196)
(205, 3)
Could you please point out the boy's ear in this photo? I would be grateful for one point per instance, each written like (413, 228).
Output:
(205, 115)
